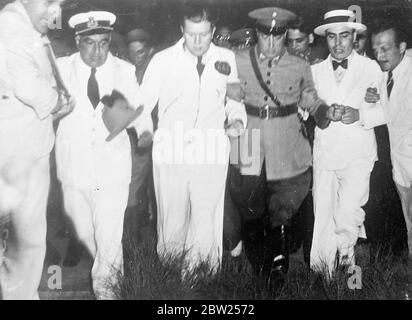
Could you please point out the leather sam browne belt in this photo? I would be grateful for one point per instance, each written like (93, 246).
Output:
(269, 112)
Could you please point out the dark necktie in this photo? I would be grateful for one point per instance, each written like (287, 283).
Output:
(200, 66)
(93, 89)
(389, 83)
(343, 64)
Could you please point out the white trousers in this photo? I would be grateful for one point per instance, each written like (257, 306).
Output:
(338, 196)
(406, 198)
(20, 277)
(190, 201)
(98, 216)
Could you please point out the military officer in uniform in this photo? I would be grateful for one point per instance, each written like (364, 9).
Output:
(270, 172)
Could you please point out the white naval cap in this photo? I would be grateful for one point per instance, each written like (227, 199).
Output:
(93, 22)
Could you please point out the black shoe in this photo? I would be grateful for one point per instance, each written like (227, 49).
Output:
(276, 257)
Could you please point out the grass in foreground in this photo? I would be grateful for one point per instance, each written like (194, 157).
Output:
(146, 278)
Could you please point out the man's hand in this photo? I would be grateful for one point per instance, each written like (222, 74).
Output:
(66, 105)
(336, 112)
(235, 91)
(372, 95)
(235, 128)
(350, 116)
(309, 99)
(145, 139)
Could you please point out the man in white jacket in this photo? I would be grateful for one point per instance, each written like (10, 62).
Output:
(191, 147)
(345, 152)
(29, 99)
(389, 44)
(96, 173)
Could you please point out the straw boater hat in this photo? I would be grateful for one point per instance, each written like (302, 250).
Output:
(337, 18)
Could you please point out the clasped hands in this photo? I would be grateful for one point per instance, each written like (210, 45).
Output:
(344, 114)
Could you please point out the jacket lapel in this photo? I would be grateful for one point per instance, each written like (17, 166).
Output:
(351, 79)
(398, 92)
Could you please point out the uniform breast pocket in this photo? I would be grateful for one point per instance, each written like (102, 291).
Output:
(288, 87)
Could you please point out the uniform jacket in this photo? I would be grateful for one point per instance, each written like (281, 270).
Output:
(84, 159)
(339, 144)
(28, 96)
(187, 102)
(278, 141)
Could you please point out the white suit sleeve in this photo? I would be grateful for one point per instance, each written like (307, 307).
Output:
(149, 91)
(372, 114)
(22, 55)
(235, 110)
(143, 122)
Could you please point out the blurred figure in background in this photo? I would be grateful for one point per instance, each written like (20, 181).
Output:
(243, 38)
(141, 48)
(301, 42)
(361, 42)
(140, 215)
(221, 37)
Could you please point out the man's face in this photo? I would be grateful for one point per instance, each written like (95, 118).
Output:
(387, 52)
(221, 37)
(42, 12)
(139, 53)
(197, 36)
(298, 41)
(340, 42)
(94, 48)
(360, 43)
(271, 46)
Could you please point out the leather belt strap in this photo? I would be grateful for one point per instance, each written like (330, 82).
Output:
(268, 112)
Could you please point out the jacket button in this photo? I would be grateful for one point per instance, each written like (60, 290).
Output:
(268, 82)
(266, 98)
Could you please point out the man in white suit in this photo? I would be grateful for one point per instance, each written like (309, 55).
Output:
(389, 45)
(95, 173)
(345, 152)
(191, 147)
(29, 99)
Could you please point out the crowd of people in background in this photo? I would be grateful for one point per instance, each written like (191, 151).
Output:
(257, 141)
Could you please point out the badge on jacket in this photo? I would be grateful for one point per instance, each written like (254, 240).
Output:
(223, 67)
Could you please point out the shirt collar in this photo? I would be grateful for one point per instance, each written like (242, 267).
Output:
(350, 58)
(263, 58)
(84, 69)
(206, 56)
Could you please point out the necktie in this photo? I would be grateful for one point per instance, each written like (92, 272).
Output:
(93, 89)
(343, 64)
(389, 83)
(56, 73)
(200, 66)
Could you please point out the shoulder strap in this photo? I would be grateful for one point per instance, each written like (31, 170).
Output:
(258, 75)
